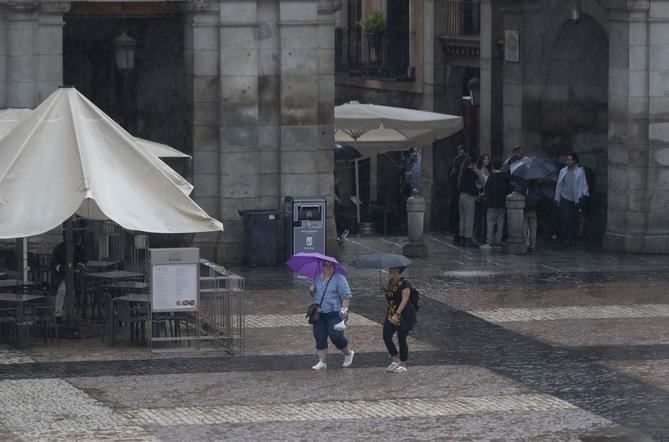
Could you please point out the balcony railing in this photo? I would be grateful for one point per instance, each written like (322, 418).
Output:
(369, 55)
(463, 17)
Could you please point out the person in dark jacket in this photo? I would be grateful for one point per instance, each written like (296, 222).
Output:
(468, 192)
(496, 189)
(59, 269)
(400, 318)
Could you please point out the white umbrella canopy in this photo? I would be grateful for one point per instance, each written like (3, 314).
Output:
(375, 129)
(10, 118)
(68, 157)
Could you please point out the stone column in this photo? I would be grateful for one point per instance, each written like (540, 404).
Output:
(416, 247)
(513, 86)
(49, 48)
(638, 160)
(202, 59)
(515, 218)
(3, 56)
(490, 110)
(307, 124)
(21, 32)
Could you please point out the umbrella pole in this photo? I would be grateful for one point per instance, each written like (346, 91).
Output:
(357, 191)
(69, 270)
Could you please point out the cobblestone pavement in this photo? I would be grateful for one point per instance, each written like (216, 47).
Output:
(561, 345)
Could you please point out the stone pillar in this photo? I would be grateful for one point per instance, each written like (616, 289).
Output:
(416, 247)
(515, 218)
(21, 32)
(307, 102)
(49, 48)
(202, 59)
(490, 110)
(3, 56)
(638, 159)
(513, 86)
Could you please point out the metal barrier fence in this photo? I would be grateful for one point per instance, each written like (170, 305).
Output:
(218, 324)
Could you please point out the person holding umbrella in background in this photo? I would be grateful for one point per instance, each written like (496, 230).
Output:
(332, 293)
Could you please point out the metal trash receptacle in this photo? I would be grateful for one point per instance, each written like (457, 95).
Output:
(261, 237)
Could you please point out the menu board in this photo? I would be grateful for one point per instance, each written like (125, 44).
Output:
(174, 287)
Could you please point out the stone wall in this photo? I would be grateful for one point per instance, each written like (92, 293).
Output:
(638, 214)
(262, 109)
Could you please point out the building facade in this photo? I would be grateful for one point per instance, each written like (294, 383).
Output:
(590, 76)
(246, 86)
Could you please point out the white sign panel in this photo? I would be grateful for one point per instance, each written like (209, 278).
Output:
(174, 279)
(174, 287)
(511, 46)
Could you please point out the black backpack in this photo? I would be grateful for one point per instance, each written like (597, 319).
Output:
(416, 299)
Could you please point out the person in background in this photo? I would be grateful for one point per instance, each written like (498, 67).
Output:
(571, 189)
(496, 189)
(453, 175)
(533, 196)
(400, 319)
(483, 172)
(518, 153)
(468, 193)
(342, 232)
(59, 267)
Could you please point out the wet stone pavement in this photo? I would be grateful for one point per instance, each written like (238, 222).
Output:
(558, 345)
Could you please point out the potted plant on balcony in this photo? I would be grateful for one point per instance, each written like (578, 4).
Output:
(373, 26)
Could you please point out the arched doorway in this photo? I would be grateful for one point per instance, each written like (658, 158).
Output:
(574, 114)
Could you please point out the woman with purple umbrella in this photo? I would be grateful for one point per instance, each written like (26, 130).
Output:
(332, 292)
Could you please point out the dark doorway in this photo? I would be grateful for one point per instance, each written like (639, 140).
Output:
(148, 100)
(398, 34)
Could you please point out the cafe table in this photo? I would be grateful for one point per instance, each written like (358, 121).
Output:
(13, 283)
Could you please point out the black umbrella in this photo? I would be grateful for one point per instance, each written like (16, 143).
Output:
(534, 168)
(380, 261)
(346, 152)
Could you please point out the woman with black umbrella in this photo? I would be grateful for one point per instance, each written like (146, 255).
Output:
(400, 319)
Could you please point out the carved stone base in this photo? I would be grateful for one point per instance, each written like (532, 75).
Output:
(415, 250)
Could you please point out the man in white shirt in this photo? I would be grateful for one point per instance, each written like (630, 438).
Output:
(571, 187)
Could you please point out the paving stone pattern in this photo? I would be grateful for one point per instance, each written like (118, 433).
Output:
(315, 411)
(574, 312)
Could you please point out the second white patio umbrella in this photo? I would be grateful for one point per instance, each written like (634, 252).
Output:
(376, 129)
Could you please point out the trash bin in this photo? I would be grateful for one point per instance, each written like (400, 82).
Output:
(305, 225)
(260, 237)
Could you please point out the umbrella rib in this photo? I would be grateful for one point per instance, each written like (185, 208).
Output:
(25, 143)
(79, 152)
(133, 143)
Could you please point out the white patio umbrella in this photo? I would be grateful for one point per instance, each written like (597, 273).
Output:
(10, 118)
(376, 129)
(67, 157)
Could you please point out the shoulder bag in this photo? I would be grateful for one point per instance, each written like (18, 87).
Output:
(314, 310)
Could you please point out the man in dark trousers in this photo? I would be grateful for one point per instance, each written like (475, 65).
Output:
(59, 269)
(496, 189)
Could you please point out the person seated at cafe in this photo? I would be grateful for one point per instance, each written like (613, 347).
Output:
(59, 268)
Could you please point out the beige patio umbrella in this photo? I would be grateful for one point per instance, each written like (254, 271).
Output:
(10, 118)
(67, 157)
(374, 129)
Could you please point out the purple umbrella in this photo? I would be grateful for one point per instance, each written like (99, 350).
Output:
(311, 264)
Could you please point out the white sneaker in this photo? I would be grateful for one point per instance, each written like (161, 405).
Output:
(348, 360)
(393, 365)
(399, 369)
(320, 366)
